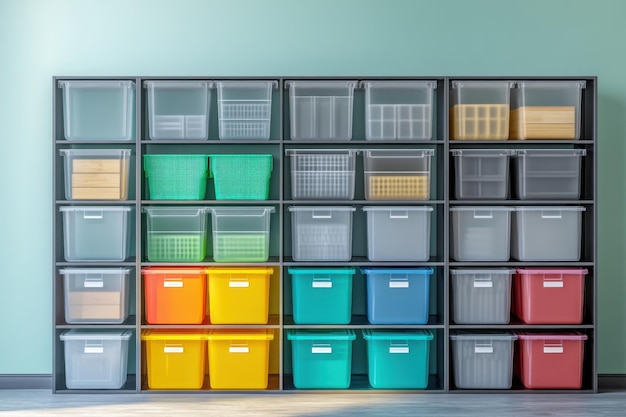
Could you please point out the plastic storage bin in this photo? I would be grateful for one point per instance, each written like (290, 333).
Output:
(549, 296)
(399, 110)
(398, 295)
(239, 295)
(178, 109)
(398, 233)
(548, 173)
(321, 233)
(322, 173)
(547, 233)
(241, 176)
(176, 177)
(483, 360)
(398, 359)
(480, 110)
(480, 233)
(239, 359)
(95, 296)
(321, 295)
(481, 174)
(175, 295)
(241, 234)
(175, 359)
(97, 233)
(96, 359)
(321, 359)
(245, 109)
(481, 296)
(551, 361)
(321, 110)
(96, 174)
(397, 174)
(98, 110)
(176, 234)
(546, 109)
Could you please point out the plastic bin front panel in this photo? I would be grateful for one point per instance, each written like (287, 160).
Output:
(245, 109)
(176, 234)
(176, 177)
(481, 174)
(480, 233)
(241, 234)
(481, 296)
(321, 233)
(322, 174)
(175, 295)
(241, 177)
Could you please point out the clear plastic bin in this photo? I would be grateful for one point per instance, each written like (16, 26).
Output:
(481, 296)
(176, 234)
(321, 110)
(96, 296)
(322, 173)
(101, 233)
(245, 109)
(397, 174)
(548, 173)
(481, 174)
(241, 234)
(480, 233)
(399, 110)
(96, 359)
(178, 109)
(98, 110)
(176, 177)
(547, 233)
(241, 176)
(480, 110)
(321, 233)
(398, 233)
(546, 110)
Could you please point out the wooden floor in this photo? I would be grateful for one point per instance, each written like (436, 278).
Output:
(44, 403)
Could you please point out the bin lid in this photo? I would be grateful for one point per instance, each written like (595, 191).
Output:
(173, 335)
(247, 83)
(538, 271)
(308, 271)
(398, 153)
(483, 336)
(98, 208)
(241, 211)
(413, 84)
(182, 270)
(241, 270)
(101, 153)
(93, 334)
(393, 208)
(549, 208)
(241, 334)
(422, 271)
(483, 84)
(97, 84)
(321, 84)
(322, 208)
(481, 208)
(108, 271)
(550, 152)
(482, 152)
(372, 334)
(576, 84)
(178, 84)
(348, 152)
(343, 334)
(461, 271)
(175, 211)
(551, 336)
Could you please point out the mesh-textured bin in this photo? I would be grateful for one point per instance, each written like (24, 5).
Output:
(176, 234)
(322, 174)
(176, 177)
(241, 177)
(244, 109)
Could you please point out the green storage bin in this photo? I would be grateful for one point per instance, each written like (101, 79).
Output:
(176, 177)
(398, 359)
(321, 296)
(241, 177)
(321, 359)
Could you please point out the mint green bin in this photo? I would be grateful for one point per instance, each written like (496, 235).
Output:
(398, 359)
(241, 177)
(176, 177)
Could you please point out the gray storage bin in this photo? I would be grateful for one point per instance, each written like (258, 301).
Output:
(480, 233)
(481, 296)
(481, 174)
(483, 360)
(547, 233)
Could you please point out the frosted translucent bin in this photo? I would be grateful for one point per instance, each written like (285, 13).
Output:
(547, 233)
(399, 110)
(98, 110)
(245, 109)
(481, 296)
(480, 233)
(321, 110)
(178, 109)
(481, 174)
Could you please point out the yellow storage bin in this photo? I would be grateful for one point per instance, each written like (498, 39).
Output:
(175, 359)
(239, 295)
(239, 359)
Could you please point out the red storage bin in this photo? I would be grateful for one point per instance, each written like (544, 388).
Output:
(551, 361)
(549, 296)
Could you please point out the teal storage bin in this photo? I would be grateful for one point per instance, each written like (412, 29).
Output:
(321, 296)
(321, 359)
(176, 177)
(241, 177)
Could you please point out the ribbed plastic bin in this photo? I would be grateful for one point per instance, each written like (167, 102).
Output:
(399, 110)
(549, 174)
(321, 359)
(397, 174)
(547, 233)
(321, 110)
(398, 233)
(245, 109)
(481, 296)
(321, 233)
(481, 174)
(398, 359)
(322, 173)
(321, 295)
(483, 360)
(97, 233)
(96, 296)
(178, 109)
(98, 110)
(176, 234)
(480, 233)
(96, 359)
(176, 177)
(241, 176)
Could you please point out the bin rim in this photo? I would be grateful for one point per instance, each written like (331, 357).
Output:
(339, 334)
(378, 334)
(240, 334)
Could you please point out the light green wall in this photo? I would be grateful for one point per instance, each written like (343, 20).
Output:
(39, 39)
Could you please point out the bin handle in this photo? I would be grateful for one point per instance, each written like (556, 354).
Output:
(486, 215)
(552, 347)
(173, 348)
(238, 348)
(94, 282)
(317, 347)
(399, 347)
(95, 214)
(173, 282)
(399, 214)
(321, 215)
(239, 283)
(558, 215)
(93, 347)
(483, 347)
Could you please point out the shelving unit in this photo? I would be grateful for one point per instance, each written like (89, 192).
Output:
(281, 321)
